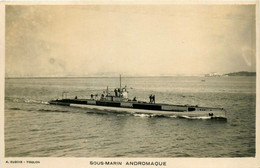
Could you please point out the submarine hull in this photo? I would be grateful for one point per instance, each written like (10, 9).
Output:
(169, 110)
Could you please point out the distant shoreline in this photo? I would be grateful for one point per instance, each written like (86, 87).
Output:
(242, 73)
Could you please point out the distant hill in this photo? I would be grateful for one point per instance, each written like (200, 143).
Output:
(242, 73)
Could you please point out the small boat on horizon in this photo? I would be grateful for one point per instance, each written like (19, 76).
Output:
(118, 101)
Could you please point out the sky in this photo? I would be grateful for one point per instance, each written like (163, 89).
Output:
(133, 40)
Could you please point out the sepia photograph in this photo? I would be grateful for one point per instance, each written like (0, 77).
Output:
(130, 81)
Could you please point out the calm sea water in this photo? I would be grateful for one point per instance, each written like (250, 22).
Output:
(35, 129)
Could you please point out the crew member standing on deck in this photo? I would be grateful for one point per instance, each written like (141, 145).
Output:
(115, 92)
(154, 99)
(150, 97)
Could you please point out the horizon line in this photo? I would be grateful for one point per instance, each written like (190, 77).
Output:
(100, 76)
(128, 76)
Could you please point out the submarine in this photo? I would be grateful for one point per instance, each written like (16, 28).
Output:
(118, 102)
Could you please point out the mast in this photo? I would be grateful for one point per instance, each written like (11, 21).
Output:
(120, 82)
